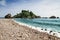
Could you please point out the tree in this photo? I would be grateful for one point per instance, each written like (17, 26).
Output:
(8, 16)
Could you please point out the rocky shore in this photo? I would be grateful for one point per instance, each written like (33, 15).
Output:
(9, 30)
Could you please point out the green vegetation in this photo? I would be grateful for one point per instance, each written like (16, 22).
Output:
(26, 14)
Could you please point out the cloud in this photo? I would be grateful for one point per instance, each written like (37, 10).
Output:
(3, 2)
(49, 7)
(39, 7)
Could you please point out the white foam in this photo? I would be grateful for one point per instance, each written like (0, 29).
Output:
(39, 29)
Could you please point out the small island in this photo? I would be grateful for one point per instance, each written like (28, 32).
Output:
(26, 14)
(53, 17)
(23, 14)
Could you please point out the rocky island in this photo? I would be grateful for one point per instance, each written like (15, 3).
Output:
(26, 14)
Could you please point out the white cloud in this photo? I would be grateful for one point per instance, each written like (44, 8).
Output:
(42, 8)
(47, 8)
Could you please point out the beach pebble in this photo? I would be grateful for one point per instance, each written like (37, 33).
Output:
(45, 29)
(41, 29)
(50, 31)
(53, 34)
(13, 31)
(36, 32)
(20, 36)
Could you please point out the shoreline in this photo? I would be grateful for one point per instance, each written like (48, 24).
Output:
(10, 30)
(57, 34)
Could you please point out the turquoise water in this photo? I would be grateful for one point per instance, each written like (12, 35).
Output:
(49, 24)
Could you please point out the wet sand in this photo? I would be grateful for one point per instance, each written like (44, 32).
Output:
(10, 30)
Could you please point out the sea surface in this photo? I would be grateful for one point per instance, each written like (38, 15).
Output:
(49, 24)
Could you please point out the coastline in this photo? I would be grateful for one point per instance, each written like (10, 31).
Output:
(11, 30)
(39, 29)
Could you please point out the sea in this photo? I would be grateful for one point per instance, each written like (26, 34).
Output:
(45, 23)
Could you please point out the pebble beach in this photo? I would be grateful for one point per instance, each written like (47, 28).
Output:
(10, 30)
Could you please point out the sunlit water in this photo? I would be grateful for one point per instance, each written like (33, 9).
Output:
(49, 24)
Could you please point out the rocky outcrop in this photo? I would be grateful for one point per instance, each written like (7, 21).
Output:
(26, 14)
(52, 17)
(8, 16)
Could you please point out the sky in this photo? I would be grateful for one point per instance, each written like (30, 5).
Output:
(43, 8)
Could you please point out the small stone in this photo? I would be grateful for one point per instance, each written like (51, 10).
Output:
(20, 36)
(17, 39)
(53, 33)
(49, 37)
(36, 32)
(50, 31)
(41, 29)
(45, 29)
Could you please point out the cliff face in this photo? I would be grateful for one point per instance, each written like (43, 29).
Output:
(26, 14)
